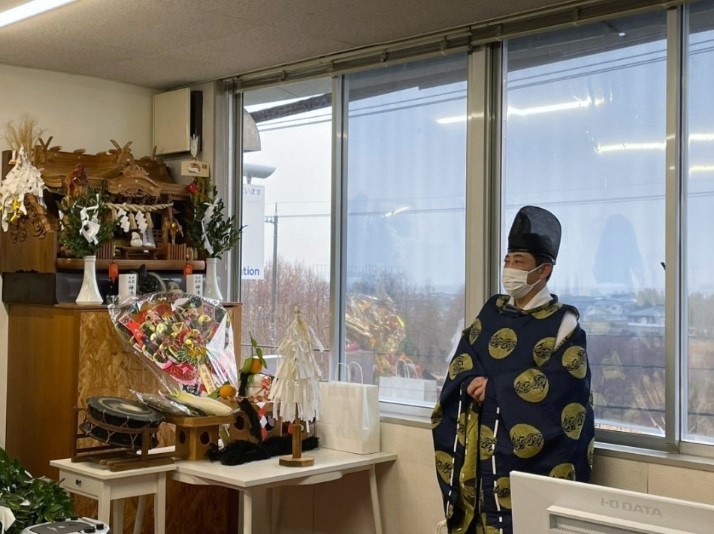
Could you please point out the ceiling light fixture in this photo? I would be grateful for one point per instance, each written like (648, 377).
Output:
(701, 168)
(535, 110)
(451, 120)
(396, 211)
(626, 147)
(458, 118)
(29, 9)
(550, 108)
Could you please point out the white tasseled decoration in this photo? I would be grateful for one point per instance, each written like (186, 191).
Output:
(23, 179)
(296, 388)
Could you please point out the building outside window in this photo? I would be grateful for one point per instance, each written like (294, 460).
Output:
(286, 213)
(584, 137)
(405, 180)
(583, 134)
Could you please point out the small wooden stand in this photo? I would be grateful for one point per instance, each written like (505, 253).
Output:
(297, 459)
(195, 435)
(118, 458)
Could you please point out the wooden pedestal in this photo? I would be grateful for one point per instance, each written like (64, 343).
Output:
(297, 459)
(195, 435)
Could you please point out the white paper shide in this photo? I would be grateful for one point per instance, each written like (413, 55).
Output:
(295, 388)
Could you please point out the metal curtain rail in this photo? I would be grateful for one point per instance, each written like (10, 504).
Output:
(458, 39)
(564, 16)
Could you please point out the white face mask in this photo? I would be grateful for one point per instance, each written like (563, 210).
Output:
(516, 281)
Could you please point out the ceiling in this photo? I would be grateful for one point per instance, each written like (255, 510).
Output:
(170, 43)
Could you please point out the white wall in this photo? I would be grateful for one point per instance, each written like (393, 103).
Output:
(79, 112)
(409, 495)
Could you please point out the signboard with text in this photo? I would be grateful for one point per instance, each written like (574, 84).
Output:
(253, 239)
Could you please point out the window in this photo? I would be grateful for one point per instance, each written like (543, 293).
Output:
(698, 396)
(584, 137)
(583, 134)
(405, 251)
(286, 210)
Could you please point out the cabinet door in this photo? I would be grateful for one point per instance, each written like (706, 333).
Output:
(41, 388)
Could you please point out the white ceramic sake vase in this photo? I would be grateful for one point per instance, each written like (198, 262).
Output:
(211, 289)
(89, 292)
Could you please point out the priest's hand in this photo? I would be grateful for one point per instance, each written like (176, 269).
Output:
(477, 388)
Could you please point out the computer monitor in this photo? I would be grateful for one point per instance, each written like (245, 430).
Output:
(545, 505)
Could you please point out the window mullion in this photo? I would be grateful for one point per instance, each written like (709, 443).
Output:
(235, 187)
(674, 384)
(477, 194)
(339, 219)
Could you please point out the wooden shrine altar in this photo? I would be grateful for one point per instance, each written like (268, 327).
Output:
(59, 354)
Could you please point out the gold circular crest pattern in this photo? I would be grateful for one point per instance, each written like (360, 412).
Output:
(474, 330)
(468, 490)
(469, 467)
(436, 415)
(503, 492)
(531, 385)
(543, 351)
(527, 440)
(487, 442)
(565, 471)
(459, 364)
(502, 343)
(461, 428)
(575, 361)
(547, 311)
(444, 465)
(573, 418)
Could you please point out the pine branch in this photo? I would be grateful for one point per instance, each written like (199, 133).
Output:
(71, 237)
(221, 232)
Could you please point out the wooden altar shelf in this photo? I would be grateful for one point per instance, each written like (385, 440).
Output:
(32, 245)
(71, 264)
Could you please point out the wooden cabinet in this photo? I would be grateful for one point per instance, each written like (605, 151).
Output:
(60, 355)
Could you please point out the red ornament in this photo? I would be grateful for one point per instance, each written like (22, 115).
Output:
(77, 181)
(187, 269)
(192, 188)
(113, 271)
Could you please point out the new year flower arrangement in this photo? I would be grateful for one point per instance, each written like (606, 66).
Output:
(85, 219)
(85, 225)
(209, 230)
(185, 339)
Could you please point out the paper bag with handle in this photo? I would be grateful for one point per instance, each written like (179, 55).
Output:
(406, 385)
(349, 416)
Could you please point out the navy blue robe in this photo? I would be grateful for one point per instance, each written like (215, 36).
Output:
(537, 415)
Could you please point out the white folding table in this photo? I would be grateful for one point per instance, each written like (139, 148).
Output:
(268, 474)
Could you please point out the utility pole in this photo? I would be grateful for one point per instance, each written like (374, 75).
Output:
(274, 293)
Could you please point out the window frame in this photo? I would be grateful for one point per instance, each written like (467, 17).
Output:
(485, 86)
